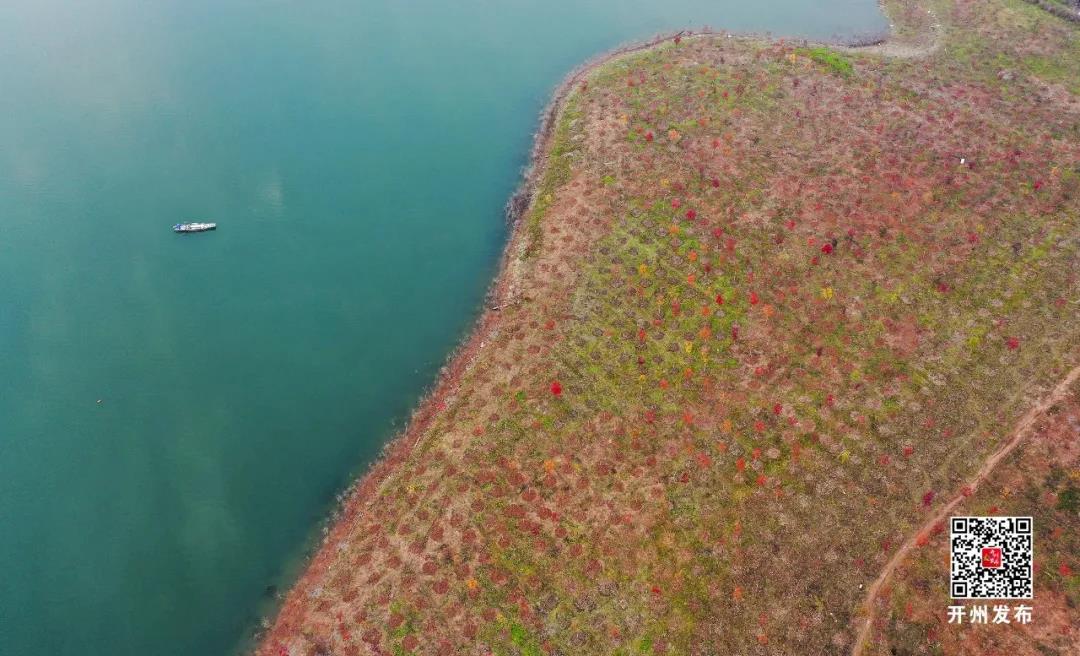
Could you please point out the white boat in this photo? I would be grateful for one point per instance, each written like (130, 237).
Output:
(194, 227)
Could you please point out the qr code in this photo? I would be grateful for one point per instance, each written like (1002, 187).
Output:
(991, 558)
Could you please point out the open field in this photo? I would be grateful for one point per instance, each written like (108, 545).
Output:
(1041, 480)
(1033, 421)
(771, 306)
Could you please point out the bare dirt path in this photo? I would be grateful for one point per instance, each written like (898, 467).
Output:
(913, 46)
(1023, 427)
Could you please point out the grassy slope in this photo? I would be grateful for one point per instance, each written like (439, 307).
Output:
(765, 318)
(1041, 480)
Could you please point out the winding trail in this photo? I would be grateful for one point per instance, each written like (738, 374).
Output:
(1023, 427)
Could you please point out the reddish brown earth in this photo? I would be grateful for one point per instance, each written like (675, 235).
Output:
(770, 308)
(1036, 479)
(1059, 445)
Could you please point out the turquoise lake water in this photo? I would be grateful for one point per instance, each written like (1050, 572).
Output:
(357, 156)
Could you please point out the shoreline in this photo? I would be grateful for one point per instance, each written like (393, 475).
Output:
(361, 493)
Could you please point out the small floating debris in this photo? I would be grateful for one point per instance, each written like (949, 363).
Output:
(194, 227)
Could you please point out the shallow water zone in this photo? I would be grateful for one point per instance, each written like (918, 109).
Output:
(177, 412)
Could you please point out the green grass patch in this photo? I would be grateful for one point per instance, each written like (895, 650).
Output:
(557, 174)
(834, 61)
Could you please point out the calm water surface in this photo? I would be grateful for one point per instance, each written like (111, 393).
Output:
(357, 155)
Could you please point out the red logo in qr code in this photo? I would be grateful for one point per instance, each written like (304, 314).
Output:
(991, 557)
